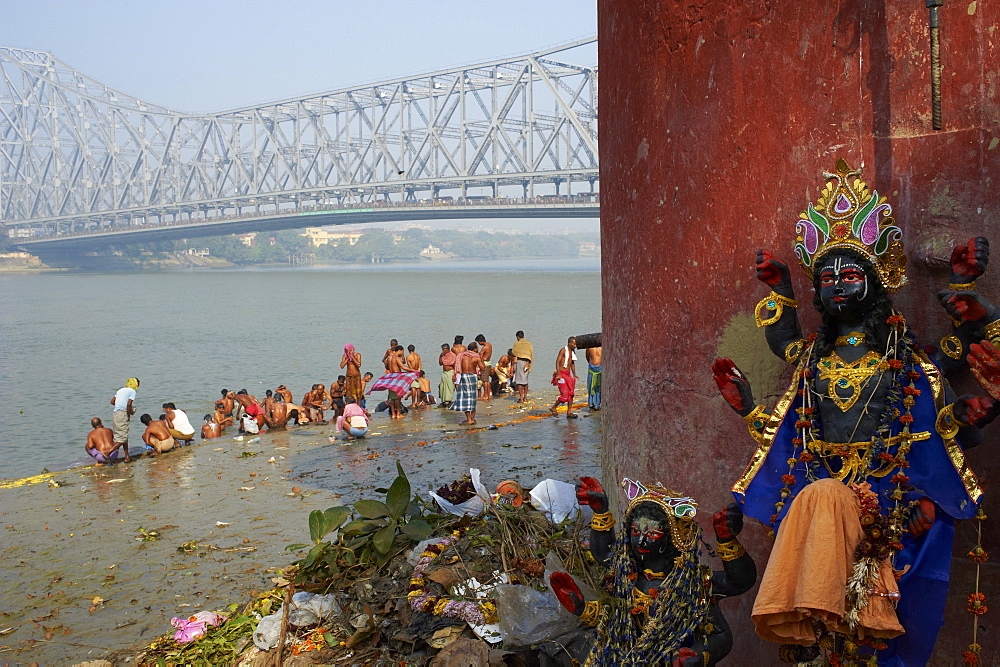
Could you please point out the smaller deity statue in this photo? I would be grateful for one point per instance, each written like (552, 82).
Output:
(663, 608)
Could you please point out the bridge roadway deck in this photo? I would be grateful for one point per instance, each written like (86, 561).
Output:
(168, 231)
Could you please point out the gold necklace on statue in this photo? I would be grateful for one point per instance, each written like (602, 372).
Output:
(846, 379)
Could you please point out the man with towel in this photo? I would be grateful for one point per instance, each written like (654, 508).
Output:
(565, 378)
(122, 400)
(523, 353)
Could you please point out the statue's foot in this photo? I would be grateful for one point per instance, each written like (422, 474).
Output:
(796, 653)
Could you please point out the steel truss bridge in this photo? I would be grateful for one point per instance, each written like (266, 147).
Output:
(83, 165)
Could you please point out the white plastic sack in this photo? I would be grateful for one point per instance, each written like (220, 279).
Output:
(249, 424)
(306, 609)
(265, 637)
(470, 507)
(557, 499)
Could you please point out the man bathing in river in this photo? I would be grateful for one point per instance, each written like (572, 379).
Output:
(446, 388)
(101, 443)
(337, 391)
(523, 352)
(157, 436)
(220, 417)
(468, 367)
(365, 379)
(565, 377)
(210, 429)
(486, 353)
(178, 424)
(413, 359)
(250, 405)
(283, 390)
(595, 356)
(227, 404)
(351, 360)
(391, 352)
(122, 400)
(396, 363)
(278, 413)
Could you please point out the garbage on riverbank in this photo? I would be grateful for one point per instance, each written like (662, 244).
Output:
(461, 579)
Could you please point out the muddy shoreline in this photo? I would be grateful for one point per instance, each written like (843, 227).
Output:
(84, 579)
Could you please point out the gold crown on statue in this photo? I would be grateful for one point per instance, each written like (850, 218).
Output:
(680, 510)
(847, 216)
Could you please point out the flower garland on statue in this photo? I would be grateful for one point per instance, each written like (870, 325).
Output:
(898, 363)
(473, 613)
(976, 602)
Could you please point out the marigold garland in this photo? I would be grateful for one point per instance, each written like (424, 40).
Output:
(474, 613)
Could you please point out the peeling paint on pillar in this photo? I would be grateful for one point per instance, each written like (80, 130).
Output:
(717, 120)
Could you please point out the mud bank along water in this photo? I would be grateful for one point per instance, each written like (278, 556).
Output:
(99, 559)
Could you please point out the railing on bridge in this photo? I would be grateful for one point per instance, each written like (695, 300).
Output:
(588, 201)
(74, 152)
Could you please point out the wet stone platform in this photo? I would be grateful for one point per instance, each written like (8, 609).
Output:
(98, 559)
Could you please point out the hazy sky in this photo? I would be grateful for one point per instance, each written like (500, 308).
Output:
(212, 55)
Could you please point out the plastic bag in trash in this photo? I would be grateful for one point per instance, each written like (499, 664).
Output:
(306, 609)
(557, 499)
(470, 507)
(309, 608)
(528, 616)
(265, 637)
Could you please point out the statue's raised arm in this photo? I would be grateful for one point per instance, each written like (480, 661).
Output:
(865, 447)
(973, 316)
(776, 312)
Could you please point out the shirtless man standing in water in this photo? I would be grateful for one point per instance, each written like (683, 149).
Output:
(351, 360)
(391, 352)
(220, 417)
(394, 364)
(486, 352)
(227, 404)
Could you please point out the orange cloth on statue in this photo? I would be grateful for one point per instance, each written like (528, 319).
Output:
(806, 575)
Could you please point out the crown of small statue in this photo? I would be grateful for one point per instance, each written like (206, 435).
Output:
(847, 216)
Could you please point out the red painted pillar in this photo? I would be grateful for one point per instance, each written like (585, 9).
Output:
(717, 121)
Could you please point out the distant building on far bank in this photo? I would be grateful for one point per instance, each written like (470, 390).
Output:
(589, 248)
(318, 236)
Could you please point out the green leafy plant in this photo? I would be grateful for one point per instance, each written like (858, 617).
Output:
(376, 532)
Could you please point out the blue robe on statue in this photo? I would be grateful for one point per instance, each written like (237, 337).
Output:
(937, 470)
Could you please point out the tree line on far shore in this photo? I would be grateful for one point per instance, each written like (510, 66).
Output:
(277, 247)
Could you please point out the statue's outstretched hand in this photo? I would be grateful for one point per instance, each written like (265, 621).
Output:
(976, 411)
(921, 517)
(590, 492)
(687, 657)
(568, 592)
(962, 305)
(728, 523)
(969, 260)
(984, 362)
(733, 386)
(772, 271)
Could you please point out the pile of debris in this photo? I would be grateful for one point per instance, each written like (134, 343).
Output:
(459, 578)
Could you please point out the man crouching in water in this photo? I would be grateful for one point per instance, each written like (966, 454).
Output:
(101, 443)
(210, 429)
(157, 436)
(277, 413)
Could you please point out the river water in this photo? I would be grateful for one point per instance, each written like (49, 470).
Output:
(69, 340)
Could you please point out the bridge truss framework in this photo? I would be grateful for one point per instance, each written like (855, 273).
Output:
(77, 155)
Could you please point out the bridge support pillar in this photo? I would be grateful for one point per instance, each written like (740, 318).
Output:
(717, 120)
